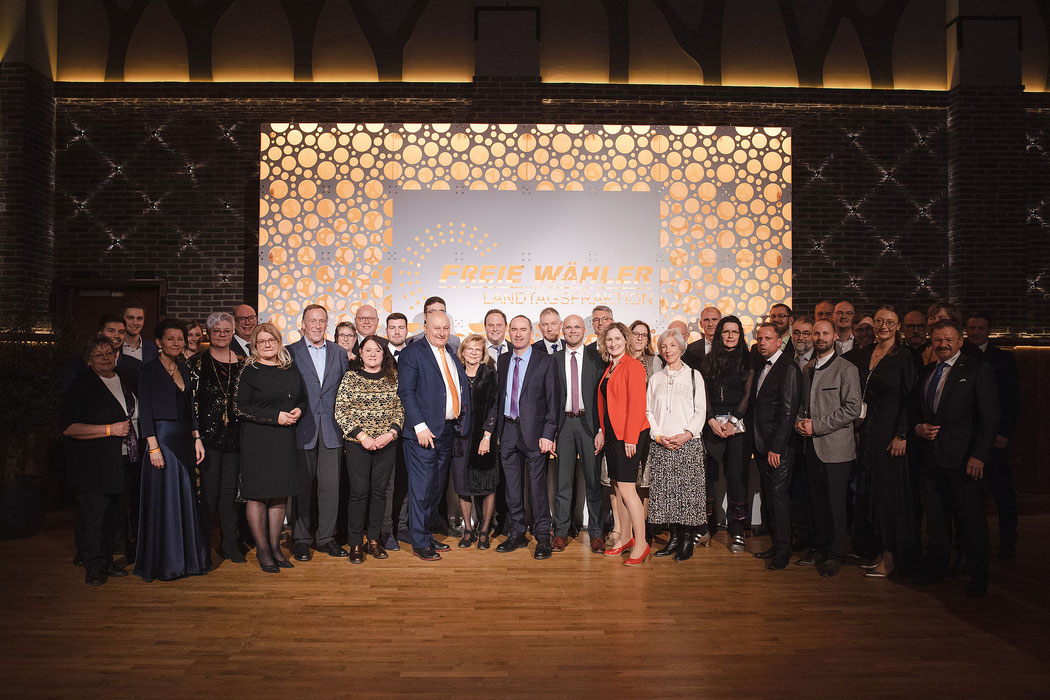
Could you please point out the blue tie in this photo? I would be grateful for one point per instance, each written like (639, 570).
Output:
(931, 390)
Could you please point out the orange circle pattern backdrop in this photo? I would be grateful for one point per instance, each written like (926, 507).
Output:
(326, 205)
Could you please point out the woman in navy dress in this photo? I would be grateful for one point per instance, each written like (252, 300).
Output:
(171, 541)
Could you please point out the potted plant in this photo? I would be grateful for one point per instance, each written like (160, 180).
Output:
(31, 367)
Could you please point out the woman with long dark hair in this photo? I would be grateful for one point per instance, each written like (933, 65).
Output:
(888, 373)
(727, 377)
(369, 412)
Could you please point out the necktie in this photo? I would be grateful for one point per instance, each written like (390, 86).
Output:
(396, 353)
(498, 349)
(514, 389)
(575, 384)
(931, 390)
(451, 384)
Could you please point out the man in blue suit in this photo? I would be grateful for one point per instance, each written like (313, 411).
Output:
(526, 419)
(436, 395)
(318, 438)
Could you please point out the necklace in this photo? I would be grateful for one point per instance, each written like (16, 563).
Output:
(226, 391)
(166, 369)
(672, 375)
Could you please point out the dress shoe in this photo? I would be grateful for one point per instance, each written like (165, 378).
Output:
(332, 550)
(512, 543)
(597, 545)
(483, 541)
(640, 559)
(357, 554)
(759, 530)
(390, 543)
(768, 554)
(543, 550)
(427, 554)
(234, 554)
(468, 539)
(269, 568)
(439, 546)
(558, 544)
(301, 552)
(403, 536)
(829, 567)
(778, 561)
(976, 589)
(95, 576)
(375, 550)
(810, 559)
(873, 573)
(671, 547)
(617, 551)
(283, 563)
(115, 571)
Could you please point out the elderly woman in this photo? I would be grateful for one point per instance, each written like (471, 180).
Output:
(727, 379)
(346, 336)
(269, 398)
(171, 541)
(624, 432)
(97, 414)
(474, 469)
(194, 334)
(213, 374)
(676, 408)
(369, 411)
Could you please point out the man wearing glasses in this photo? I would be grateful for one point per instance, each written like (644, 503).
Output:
(245, 320)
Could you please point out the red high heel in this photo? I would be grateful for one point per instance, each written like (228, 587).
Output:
(640, 560)
(619, 550)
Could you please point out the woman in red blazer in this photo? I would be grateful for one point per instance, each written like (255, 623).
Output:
(624, 433)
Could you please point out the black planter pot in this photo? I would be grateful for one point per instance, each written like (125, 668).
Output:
(22, 508)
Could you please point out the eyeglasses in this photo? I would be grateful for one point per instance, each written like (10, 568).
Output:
(221, 331)
(800, 334)
(883, 323)
(266, 341)
(641, 335)
(344, 336)
(242, 319)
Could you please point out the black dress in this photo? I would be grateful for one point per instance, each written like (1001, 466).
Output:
(268, 457)
(213, 384)
(892, 511)
(474, 474)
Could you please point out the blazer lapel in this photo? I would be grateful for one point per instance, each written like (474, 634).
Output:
(955, 376)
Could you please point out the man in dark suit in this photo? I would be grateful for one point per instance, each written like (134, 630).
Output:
(496, 343)
(956, 414)
(318, 438)
(436, 395)
(366, 320)
(997, 471)
(397, 489)
(576, 375)
(526, 419)
(772, 409)
(550, 329)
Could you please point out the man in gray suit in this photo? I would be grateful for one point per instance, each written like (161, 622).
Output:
(320, 441)
(831, 400)
(576, 375)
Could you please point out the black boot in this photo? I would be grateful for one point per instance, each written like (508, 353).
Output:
(685, 546)
(672, 544)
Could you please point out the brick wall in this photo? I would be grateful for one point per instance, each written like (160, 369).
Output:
(870, 175)
(27, 127)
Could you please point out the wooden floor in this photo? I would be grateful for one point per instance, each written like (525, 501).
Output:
(487, 625)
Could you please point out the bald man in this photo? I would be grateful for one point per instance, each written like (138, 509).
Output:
(245, 320)
(699, 349)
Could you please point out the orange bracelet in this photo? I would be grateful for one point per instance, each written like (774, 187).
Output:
(109, 430)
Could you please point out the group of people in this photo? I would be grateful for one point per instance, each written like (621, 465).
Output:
(859, 426)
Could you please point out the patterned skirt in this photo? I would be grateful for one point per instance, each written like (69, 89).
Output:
(678, 491)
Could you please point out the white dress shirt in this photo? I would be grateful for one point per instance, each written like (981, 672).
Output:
(844, 346)
(765, 369)
(495, 350)
(244, 344)
(135, 352)
(449, 414)
(569, 359)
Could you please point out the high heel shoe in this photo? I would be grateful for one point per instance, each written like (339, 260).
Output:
(269, 568)
(672, 542)
(468, 540)
(621, 549)
(483, 541)
(638, 561)
(283, 563)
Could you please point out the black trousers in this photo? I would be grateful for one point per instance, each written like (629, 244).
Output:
(126, 518)
(802, 516)
(776, 494)
(369, 472)
(865, 543)
(997, 474)
(948, 493)
(97, 513)
(828, 490)
(732, 453)
(395, 515)
(525, 468)
(219, 472)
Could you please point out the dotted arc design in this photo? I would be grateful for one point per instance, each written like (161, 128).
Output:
(325, 204)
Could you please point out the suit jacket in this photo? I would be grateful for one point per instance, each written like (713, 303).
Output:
(421, 386)
(968, 414)
(541, 346)
(591, 368)
(772, 410)
(831, 398)
(150, 351)
(453, 341)
(357, 344)
(537, 401)
(157, 396)
(626, 395)
(1005, 369)
(319, 419)
(695, 353)
(95, 465)
(235, 345)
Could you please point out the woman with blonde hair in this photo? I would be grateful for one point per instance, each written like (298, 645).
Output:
(269, 399)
